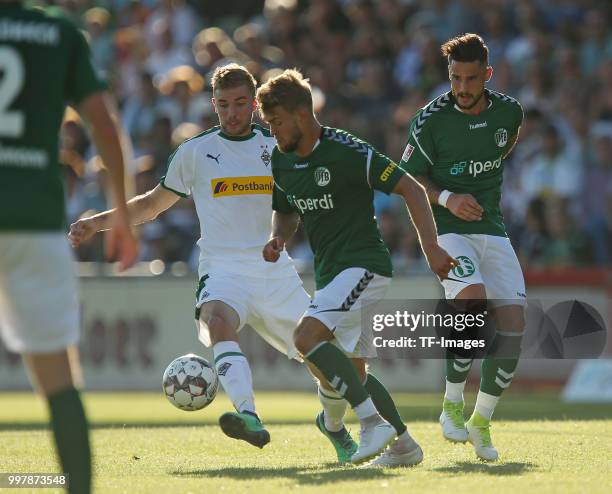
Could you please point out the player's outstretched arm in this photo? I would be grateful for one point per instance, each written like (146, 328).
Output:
(464, 206)
(420, 212)
(284, 226)
(120, 242)
(141, 209)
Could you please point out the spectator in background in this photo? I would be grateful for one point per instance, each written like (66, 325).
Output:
(553, 172)
(165, 55)
(185, 101)
(100, 40)
(596, 193)
(140, 111)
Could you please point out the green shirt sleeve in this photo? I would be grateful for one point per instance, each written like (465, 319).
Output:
(419, 154)
(383, 173)
(83, 80)
(280, 202)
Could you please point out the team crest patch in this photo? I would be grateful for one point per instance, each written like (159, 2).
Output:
(407, 152)
(466, 267)
(322, 176)
(266, 157)
(501, 137)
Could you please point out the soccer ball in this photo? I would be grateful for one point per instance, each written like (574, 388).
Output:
(190, 382)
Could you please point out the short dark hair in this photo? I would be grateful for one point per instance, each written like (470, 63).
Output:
(468, 47)
(288, 90)
(233, 75)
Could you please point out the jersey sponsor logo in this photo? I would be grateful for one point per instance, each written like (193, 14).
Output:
(239, 186)
(465, 268)
(386, 173)
(474, 168)
(322, 176)
(311, 204)
(407, 152)
(501, 137)
(457, 168)
(480, 125)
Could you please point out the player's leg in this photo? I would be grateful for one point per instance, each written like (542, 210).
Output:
(221, 313)
(330, 421)
(466, 287)
(313, 337)
(57, 376)
(506, 292)
(45, 330)
(281, 306)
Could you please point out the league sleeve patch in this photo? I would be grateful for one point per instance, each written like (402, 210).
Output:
(407, 152)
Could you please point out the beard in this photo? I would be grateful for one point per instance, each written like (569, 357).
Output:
(474, 102)
(292, 143)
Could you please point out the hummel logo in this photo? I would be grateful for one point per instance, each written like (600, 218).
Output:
(478, 125)
(216, 158)
(300, 165)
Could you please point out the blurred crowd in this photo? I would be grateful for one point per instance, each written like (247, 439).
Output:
(373, 64)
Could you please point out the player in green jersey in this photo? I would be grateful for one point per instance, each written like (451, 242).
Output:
(327, 177)
(456, 149)
(44, 62)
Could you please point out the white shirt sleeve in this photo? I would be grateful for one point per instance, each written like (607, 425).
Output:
(180, 175)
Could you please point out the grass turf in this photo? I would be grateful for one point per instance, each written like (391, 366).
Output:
(144, 445)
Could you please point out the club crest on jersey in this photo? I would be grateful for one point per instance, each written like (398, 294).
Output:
(465, 268)
(266, 157)
(501, 137)
(322, 176)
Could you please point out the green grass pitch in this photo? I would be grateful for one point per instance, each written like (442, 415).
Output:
(144, 445)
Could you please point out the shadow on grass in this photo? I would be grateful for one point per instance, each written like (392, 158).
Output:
(315, 475)
(510, 468)
(514, 410)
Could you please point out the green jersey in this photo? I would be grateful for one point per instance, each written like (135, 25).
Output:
(332, 189)
(44, 61)
(464, 154)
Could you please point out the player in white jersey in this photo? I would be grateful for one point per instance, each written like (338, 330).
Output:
(227, 171)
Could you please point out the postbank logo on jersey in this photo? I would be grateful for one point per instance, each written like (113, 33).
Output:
(240, 186)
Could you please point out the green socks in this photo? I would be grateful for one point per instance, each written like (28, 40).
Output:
(71, 431)
(384, 403)
(339, 372)
(498, 367)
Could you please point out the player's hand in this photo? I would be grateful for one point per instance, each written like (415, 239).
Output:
(82, 230)
(464, 206)
(272, 250)
(120, 243)
(440, 262)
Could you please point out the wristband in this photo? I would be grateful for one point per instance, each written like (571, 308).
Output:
(443, 197)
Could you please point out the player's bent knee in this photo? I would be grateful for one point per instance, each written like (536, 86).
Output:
(218, 328)
(309, 333)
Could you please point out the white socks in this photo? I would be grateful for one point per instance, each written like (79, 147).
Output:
(366, 409)
(454, 392)
(334, 407)
(235, 375)
(485, 404)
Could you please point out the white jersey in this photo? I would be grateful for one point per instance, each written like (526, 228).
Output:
(230, 180)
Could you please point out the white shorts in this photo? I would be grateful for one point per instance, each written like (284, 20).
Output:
(273, 307)
(484, 259)
(39, 308)
(338, 306)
